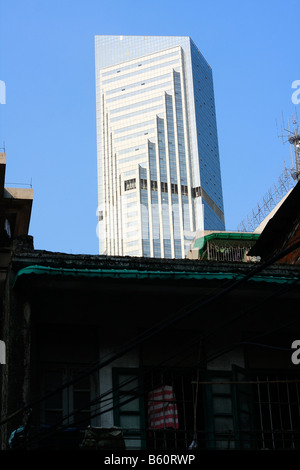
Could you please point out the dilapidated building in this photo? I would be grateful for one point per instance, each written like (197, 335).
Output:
(155, 354)
(211, 342)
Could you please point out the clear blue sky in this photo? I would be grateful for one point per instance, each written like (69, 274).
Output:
(48, 123)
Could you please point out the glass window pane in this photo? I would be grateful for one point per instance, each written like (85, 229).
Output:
(130, 422)
(132, 405)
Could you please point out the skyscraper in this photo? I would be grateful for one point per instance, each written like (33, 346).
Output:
(159, 176)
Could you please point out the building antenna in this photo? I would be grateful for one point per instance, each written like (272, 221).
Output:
(293, 137)
(286, 181)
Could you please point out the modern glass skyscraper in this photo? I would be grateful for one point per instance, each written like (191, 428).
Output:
(159, 176)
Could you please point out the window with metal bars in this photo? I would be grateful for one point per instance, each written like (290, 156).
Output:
(226, 251)
(233, 410)
(179, 403)
(277, 411)
(160, 409)
(253, 411)
(130, 184)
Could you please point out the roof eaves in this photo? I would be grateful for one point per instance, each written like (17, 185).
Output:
(145, 274)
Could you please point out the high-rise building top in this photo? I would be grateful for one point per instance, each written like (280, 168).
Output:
(159, 176)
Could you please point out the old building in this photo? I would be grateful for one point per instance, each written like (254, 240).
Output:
(105, 333)
(16, 205)
(15, 213)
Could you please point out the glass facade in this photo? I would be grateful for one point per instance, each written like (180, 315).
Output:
(159, 176)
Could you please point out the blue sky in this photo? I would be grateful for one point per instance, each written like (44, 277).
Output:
(48, 122)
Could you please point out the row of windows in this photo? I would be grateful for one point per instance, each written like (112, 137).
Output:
(137, 84)
(164, 187)
(137, 72)
(136, 113)
(134, 126)
(133, 232)
(131, 184)
(131, 204)
(132, 243)
(129, 173)
(164, 86)
(129, 196)
(136, 104)
(130, 224)
(136, 134)
(132, 149)
(138, 64)
(263, 414)
(134, 157)
(131, 214)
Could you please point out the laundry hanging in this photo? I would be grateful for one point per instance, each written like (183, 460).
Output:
(162, 408)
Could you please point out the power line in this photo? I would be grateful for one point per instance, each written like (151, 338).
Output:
(239, 343)
(156, 330)
(99, 400)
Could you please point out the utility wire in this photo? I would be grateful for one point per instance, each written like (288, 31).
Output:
(58, 426)
(244, 313)
(221, 352)
(100, 399)
(156, 330)
(101, 410)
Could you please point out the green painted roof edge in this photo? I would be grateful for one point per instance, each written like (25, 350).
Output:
(137, 274)
(201, 241)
